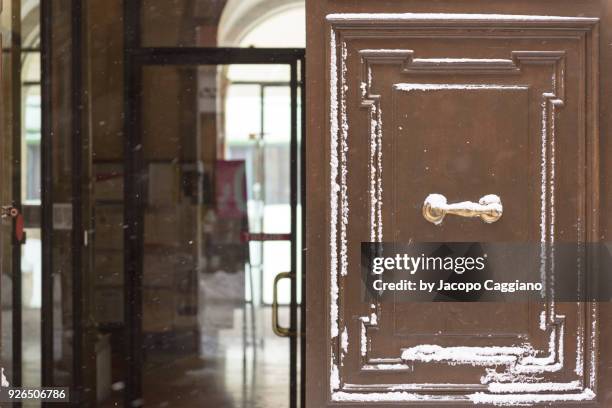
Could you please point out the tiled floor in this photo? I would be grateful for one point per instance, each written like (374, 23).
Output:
(236, 375)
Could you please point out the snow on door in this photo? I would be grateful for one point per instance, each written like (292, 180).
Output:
(466, 105)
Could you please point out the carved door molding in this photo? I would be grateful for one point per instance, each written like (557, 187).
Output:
(382, 64)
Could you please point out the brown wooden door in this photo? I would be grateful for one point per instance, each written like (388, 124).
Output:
(464, 98)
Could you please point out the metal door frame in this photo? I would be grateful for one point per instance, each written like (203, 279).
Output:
(136, 57)
(47, 199)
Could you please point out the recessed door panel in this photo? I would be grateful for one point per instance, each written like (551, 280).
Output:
(464, 106)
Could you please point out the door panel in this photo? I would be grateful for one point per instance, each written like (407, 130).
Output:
(465, 106)
(206, 204)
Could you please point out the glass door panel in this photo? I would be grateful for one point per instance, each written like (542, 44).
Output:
(216, 172)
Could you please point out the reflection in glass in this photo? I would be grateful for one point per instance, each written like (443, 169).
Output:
(223, 176)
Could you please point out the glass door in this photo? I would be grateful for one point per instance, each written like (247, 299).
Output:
(215, 215)
(20, 196)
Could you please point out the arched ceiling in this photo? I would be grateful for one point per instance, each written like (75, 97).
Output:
(240, 17)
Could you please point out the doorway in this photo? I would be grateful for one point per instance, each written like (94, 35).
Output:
(164, 183)
(214, 190)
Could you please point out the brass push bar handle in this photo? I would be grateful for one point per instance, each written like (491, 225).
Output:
(277, 328)
(436, 207)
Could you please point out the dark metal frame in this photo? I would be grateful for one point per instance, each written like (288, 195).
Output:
(47, 329)
(47, 193)
(76, 44)
(133, 214)
(134, 188)
(16, 189)
(47, 325)
(135, 58)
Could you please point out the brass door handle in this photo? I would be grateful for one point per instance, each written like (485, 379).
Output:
(277, 328)
(436, 207)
